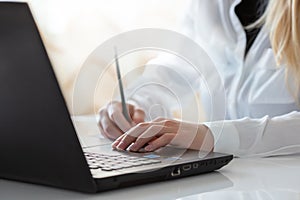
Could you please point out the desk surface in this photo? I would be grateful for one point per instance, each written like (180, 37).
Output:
(251, 178)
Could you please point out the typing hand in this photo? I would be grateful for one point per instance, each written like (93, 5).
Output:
(113, 124)
(161, 132)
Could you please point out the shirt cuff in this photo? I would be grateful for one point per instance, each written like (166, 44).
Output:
(226, 138)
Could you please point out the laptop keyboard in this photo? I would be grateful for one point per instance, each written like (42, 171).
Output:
(116, 162)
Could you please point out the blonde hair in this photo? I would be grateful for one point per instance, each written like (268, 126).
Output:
(282, 18)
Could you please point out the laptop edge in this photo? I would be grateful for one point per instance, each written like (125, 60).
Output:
(35, 118)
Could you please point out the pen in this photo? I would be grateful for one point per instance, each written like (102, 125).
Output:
(124, 107)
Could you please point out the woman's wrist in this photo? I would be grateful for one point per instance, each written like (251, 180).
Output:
(204, 140)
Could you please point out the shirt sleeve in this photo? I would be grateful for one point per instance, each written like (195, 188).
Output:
(258, 137)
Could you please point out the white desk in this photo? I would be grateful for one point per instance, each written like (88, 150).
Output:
(255, 178)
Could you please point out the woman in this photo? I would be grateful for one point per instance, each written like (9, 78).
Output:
(256, 49)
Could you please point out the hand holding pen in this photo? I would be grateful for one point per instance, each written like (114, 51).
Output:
(123, 101)
(118, 117)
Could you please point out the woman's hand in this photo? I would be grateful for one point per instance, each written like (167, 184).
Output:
(113, 124)
(161, 132)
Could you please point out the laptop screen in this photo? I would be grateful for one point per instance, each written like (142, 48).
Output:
(37, 138)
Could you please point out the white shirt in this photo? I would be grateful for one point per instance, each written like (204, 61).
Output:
(262, 118)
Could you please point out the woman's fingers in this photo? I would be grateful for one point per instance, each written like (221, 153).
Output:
(110, 128)
(114, 111)
(130, 136)
(100, 122)
(113, 124)
(141, 134)
(147, 136)
(161, 141)
(102, 131)
(159, 133)
(117, 141)
(138, 116)
(162, 132)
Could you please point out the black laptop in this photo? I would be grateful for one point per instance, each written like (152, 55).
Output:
(38, 142)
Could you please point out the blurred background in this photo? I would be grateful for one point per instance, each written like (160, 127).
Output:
(72, 29)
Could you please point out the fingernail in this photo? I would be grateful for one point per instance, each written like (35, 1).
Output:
(114, 144)
(149, 147)
(120, 146)
(132, 148)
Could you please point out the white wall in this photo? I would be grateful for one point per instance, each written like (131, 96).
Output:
(72, 29)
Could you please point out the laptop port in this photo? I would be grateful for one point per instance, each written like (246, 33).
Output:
(176, 172)
(195, 165)
(187, 167)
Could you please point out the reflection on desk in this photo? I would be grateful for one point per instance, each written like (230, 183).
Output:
(251, 178)
(273, 178)
(174, 189)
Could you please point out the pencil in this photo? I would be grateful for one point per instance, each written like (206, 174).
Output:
(124, 107)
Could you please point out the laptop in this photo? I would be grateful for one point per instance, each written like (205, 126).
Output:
(38, 142)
